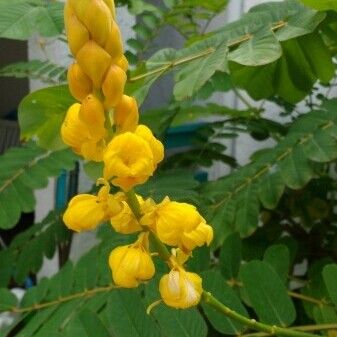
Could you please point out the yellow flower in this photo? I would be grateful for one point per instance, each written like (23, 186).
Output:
(94, 61)
(123, 220)
(180, 289)
(132, 264)
(92, 113)
(84, 139)
(156, 146)
(113, 86)
(129, 160)
(80, 85)
(85, 211)
(126, 114)
(180, 224)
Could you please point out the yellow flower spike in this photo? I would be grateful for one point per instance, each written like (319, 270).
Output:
(92, 113)
(98, 20)
(180, 224)
(123, 63)
(156, 146)
(85, 211)
(180, 289)
(80, 85)
(122, 218)
(77, 34)
(94, 61)
(126, 114)
(114, 44)
(128, 161)
(132, 264)
(113, 86)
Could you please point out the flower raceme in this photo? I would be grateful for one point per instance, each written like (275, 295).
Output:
(103, 127)
(132, 264)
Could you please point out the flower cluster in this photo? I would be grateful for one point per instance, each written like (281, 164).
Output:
(104, 127)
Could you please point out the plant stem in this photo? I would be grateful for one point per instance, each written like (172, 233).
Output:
(318, 327)
(252, 323)
(133, 203)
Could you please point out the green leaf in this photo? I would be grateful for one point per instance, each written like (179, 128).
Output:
(7, 299)
(330, 277)
(214, 283)
(36, 69)
(267, 293)
(321, 5)
(278, 257)
(271, 191)
(128, 315)
(23, 170)
(261, 49)
(20, 19)
(41, 115)
(192, 77)
(230, 256)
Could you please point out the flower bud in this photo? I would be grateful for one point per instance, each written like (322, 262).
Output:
(94, 61)
(77, 34)
(98, 20)
(123, 63)
(79, 7)
(180, 224)
(126, 114)
(156, 146)
(111, 6)
(132, 264)
(80, 85)
(92, 113)
(85, 211)
(114, 44)
(180, 289)
(82, 137)
(128, 161)
(122, 218)
(113, 86)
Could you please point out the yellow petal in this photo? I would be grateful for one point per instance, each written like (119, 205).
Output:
(94, 61)
(113, 86)
(80, 85)
(77, 34)
(126, 114)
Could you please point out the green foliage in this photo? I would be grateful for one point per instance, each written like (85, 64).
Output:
(235, 199)
(322, 5)
(261, 43)
(27, 250)
(44, 71)
(20, 19)
(22, 171)
(41, 115)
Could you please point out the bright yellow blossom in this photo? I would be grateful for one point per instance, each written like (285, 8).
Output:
(180, 289)
(132, 264)
(85, 211)
(126, 114)
(84, 139)
(179, 224)
(130, 160)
